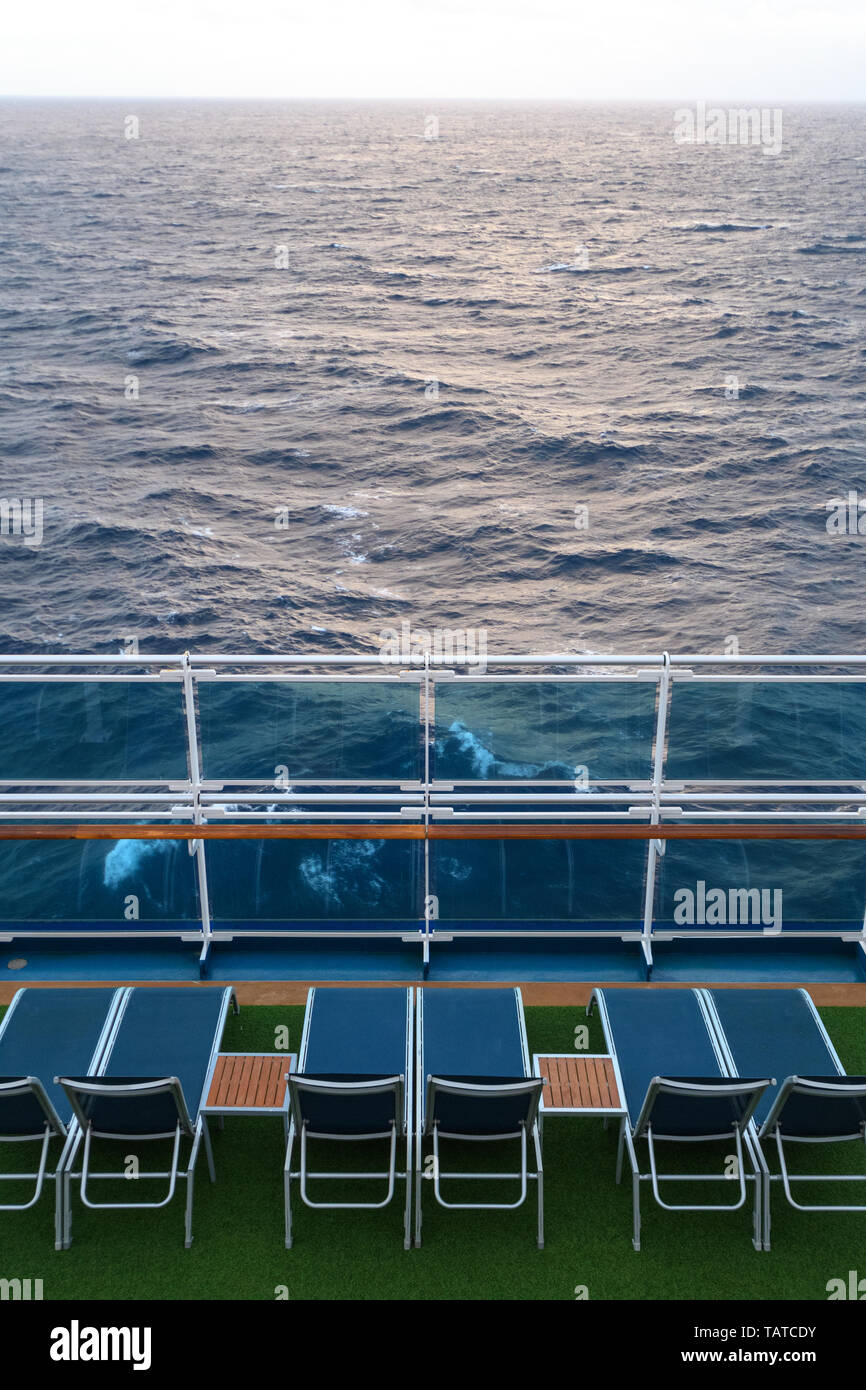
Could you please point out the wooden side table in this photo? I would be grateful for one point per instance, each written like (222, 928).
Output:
(579, 1083)
(250, 1083)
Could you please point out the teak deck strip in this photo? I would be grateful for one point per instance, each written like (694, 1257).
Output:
(250, 1082)
(579, 1083)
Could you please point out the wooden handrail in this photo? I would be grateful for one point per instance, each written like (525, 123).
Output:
(211, 832)
(584, 831)
(466, 831)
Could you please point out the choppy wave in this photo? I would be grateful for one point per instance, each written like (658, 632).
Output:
(309, 374)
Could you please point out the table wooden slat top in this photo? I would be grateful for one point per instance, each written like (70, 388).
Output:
(579, 1083)
(250, 1081)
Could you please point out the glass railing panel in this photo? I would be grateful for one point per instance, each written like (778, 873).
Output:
(92, 730)
(253, 730)
(761, 885)
(123, 885)
(285, 881)
(579, 883)
(790, 730)
(550, 730)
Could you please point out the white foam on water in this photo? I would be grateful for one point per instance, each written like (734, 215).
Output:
(344, 511)
(124, 860)
(325, 874)
(484, 761)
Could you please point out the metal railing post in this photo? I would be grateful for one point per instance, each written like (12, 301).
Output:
(655, 848)
(426, 687)
(196, 847)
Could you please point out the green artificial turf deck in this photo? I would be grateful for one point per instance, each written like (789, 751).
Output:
(238, 1252)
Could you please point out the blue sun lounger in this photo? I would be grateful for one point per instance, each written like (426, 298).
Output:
(677, 1089)
(780, 1034)
(354, 1084)
(475, 1084)
(153, 1081)
(42, 1032)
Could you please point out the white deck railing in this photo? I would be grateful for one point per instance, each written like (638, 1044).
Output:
(202, 800)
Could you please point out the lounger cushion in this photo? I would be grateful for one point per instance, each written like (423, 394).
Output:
(657, 1033)
(472, 1032)
(53, 1032)
(168, 1032)
(772, 1032)
(357, 1031)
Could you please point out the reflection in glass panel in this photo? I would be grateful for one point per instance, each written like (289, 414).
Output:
(314, 729)
(312, 880)
(92, 729)
(123, 884)
(567, 881)
(549, 730)
(756, 884)
(804, 731)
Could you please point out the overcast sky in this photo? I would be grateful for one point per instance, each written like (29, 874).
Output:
(808, 50)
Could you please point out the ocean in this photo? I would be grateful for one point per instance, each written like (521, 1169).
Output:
(284, 376)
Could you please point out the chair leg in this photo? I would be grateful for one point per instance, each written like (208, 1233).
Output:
(540, 1180)
(619, 1150)
(67, 1210)
(419, 1182)
(58, 1210)
(288, 1204)
(635, 1183)
(407, 1216)
(758, 1229)
(208, 1149)
(190, 1178)
(67, 1194)
(287, 1187)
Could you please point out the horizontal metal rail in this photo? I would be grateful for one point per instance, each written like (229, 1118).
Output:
(418, 659)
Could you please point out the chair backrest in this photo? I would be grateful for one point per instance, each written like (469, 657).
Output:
(347, 1106)
(816, 1108)
(25, 1109)
(481, 1107)
(698, 1107)
(129, 1107)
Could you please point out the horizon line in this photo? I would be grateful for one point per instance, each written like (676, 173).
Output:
(442, 100)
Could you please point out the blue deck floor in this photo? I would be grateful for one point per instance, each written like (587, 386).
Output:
(515, 959)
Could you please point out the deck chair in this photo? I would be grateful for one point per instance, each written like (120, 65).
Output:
(475, 1085)
(154, 1081)
(42, 1031)
(814, 1102)
(353, 1085)
(676, 1089)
